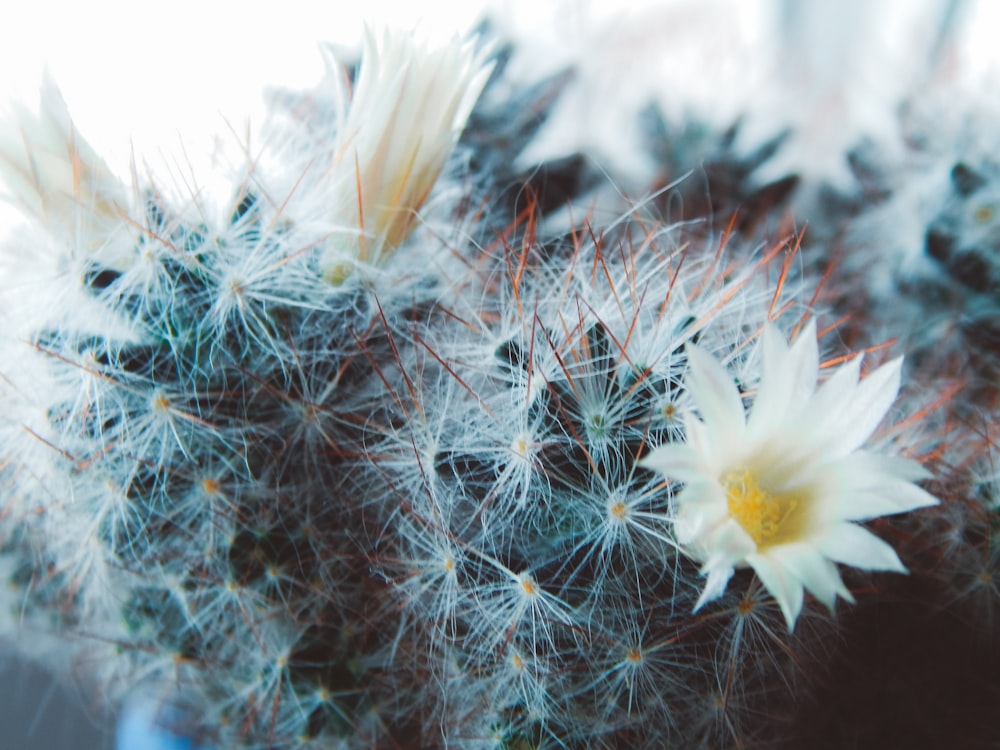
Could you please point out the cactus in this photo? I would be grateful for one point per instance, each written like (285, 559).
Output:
(388, 447)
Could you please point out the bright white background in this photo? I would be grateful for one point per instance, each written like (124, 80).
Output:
(142, 73)
(144, 77)
(148, 77)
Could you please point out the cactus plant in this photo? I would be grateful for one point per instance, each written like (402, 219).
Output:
(392, 447)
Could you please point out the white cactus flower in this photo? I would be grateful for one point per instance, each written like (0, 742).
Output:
(53, 175)
(780, 491)
(409, 106)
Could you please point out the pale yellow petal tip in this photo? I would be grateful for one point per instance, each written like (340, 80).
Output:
(649, 461)
(929, 500)
(337, 273)
(54, 176)
(410, 104)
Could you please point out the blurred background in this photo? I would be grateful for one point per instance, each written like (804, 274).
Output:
(164, 84)
(161, 84)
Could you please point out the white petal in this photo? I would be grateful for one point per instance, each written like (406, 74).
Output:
(852, 545)
(865, 485)
(771, 402)
(774, 353)
(732, 541)
(695, 435)
(884, 499)
(803, 364)
(804, 359)
(817, 573)
(782, 584)
(676, 461)
(715, 393)
(688, 528)
(730, 546)
(703, 493)
(895, 466)
(408, 109)
(700, 506)
(851, 423)
(53, 174)
(788, 376)
(718, 574)
(831, 397)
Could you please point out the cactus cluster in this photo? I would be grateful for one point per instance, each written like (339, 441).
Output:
(397, 446)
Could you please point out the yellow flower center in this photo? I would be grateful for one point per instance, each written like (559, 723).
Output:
(769, 518)
(338, 273)
(529, 586)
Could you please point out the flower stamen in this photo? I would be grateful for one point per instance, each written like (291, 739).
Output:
(768, 518)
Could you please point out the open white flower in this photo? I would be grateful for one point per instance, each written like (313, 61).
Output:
(408, 109)
(779, 491)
